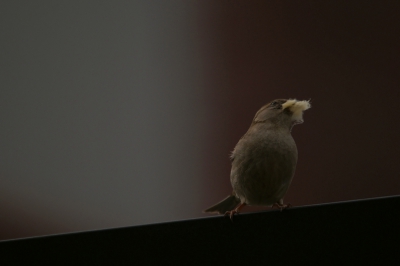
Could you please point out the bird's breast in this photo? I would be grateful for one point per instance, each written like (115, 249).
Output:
(263, 168)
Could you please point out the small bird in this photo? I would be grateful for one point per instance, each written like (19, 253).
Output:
(264, 160)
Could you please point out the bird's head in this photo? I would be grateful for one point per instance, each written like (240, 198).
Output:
(282, 112)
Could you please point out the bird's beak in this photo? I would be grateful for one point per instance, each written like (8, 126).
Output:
(296, 108)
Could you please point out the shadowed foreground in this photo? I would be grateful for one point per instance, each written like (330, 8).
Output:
(355, 231)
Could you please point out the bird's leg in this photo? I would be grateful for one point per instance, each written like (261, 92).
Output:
(232, 212)
(280, 205)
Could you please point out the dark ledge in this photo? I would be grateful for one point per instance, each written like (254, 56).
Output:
(356, 231)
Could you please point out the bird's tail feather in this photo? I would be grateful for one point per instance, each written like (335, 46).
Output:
(225, 205)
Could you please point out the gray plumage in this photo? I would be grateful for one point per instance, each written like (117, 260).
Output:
(264, 160)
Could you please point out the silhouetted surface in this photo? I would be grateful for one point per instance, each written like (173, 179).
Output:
(358, 231)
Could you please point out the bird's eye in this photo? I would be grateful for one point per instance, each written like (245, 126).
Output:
(274, 103)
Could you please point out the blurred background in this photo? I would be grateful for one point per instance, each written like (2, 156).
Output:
(120, 113)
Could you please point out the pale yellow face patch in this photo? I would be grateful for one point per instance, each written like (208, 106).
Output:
(297, 108)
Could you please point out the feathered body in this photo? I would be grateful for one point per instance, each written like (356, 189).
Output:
(263, 165)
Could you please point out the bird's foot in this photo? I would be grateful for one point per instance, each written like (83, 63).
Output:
(231, 213)
(281, 206)
(235, 211)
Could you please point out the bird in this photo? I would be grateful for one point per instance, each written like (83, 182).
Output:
(264, 160)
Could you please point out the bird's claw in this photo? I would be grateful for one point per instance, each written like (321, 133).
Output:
(231, 213)
(234, 211)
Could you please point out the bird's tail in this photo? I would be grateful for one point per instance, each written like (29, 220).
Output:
(225, 205)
